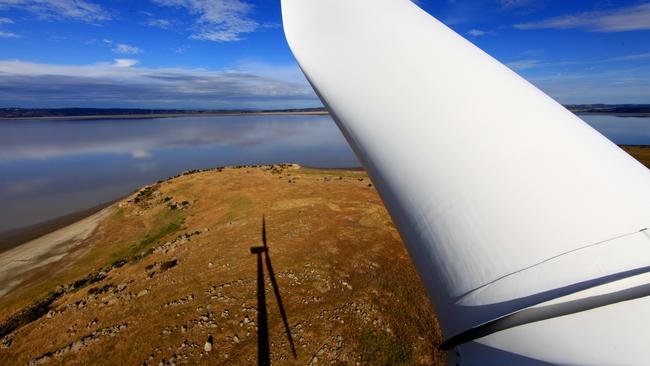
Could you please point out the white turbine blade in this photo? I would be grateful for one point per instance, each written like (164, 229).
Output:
(504, 199)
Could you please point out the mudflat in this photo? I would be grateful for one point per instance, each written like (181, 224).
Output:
(50, 248)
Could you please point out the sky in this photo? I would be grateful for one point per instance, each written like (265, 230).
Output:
(231, 54)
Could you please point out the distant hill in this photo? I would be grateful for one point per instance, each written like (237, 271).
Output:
(79, 112)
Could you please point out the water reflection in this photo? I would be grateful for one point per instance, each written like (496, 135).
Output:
(621, 130)
(52, 168)
(144, 138)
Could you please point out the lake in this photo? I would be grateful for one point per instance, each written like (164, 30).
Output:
(50, 168)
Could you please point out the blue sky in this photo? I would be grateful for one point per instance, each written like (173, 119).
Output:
(232, 53)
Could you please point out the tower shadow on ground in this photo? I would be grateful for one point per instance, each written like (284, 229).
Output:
(263, 349)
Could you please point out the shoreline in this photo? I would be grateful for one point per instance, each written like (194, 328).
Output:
(45, 249)
(17, 237)
(156, 116)
(237, 114)
(614, 114)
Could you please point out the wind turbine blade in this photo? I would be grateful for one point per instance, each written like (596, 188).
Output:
(504, 199)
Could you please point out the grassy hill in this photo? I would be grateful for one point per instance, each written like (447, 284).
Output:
(169, 275)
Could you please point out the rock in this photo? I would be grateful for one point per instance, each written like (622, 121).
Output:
(208, 344)
(143, 292)
(76, 346)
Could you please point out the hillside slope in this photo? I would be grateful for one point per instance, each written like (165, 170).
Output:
(176, 274)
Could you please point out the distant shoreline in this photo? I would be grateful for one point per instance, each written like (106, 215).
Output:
(163, 115)
(237, 114)
(615, 114)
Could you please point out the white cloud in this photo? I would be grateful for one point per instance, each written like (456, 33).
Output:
(126, 49)
(640, 56)
(632, 18)
(512, 4)
(615, 86)
(158, 23)
(535, 63)
(123, 83)
(8, 35)
(4, 34)
(122, 48)
(125, 62)
(82, 10)
(218, 20)
(525, 64)
(476, 32)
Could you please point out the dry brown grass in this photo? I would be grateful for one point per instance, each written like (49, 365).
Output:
(347, 284)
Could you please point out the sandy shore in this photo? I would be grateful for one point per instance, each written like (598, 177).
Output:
(15, 237)
(47, 249)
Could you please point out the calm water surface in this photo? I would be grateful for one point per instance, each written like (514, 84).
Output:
(53, 168)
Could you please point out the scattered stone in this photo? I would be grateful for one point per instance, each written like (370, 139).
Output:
(79, 344)
(6, 342)
(208, 345)
(168, 265)
(143, 292)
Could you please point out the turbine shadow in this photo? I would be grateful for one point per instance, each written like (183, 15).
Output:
(263, 349)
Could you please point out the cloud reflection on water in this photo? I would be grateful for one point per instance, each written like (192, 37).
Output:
(52, 168)
(22, 140)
